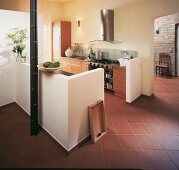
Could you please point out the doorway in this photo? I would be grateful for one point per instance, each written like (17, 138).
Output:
(166, 41)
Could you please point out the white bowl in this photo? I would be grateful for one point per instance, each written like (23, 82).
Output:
(41, 67)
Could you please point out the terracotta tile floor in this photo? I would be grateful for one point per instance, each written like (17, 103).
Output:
(141, 135)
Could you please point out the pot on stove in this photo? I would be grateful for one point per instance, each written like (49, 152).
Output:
(98, 55)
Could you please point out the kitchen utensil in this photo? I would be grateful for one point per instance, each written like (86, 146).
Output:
(98, 55)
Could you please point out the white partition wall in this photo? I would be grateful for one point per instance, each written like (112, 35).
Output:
(83, 91)
(64, 104)
(133, 79)
(22, 90)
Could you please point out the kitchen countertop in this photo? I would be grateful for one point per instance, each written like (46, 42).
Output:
(84, 60)
(76, 58)
(64, 73)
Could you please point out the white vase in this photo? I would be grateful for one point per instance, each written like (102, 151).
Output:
(69, 52)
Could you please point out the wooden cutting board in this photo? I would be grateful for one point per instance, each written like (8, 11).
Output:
(97, 120)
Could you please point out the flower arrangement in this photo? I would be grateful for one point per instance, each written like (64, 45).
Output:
(17, 38)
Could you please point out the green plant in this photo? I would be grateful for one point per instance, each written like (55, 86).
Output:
(17, 38)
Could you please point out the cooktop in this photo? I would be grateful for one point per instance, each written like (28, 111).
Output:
(106, 61)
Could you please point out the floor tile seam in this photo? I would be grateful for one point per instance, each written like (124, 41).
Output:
(127, 123)
(115, 134)
(118, 141)
(150, 160)
(166, 86)
(157, 119)
(171, 149)
(143, 134)
(111, 122)
(139, 149)
(145, 125)
(134, 122)
(171, 160)
(149, 134)
(147, 128)
(136, 137)
(163, 147)
(153, 114)
(142, 149)
(102, 152)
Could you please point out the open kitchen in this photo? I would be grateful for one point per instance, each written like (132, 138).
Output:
(77, 85)
(93, 70)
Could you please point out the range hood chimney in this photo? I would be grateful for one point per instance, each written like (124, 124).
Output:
(107, 21)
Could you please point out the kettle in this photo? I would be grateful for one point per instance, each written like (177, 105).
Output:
(98, 55)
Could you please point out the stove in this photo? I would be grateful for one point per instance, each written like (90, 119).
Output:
(107, 65)
(105, 61)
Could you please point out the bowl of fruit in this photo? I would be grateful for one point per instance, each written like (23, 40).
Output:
(51, 66)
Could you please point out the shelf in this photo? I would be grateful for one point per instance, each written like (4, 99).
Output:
(108, 78)
(108, 89)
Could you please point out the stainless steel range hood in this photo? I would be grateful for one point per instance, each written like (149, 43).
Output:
(107, 24)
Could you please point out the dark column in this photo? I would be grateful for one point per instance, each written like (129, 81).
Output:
(33, 68)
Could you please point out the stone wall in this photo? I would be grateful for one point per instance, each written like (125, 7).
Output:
(164, 39)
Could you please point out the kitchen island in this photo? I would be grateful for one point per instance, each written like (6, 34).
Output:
(123, 79)
(64, 100)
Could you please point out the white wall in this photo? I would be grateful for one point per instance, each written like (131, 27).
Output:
(22, 84)
(10, 81)
(22, 22)
(84, 89)
(10, 20)
(133, 79)
(7, 77)
(53, 89)
(64, 104)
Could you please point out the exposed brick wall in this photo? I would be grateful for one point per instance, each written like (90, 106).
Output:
(164, 42)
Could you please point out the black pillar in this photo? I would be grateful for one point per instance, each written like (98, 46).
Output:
(33, 68)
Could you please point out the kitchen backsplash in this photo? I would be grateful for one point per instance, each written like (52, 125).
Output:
(111, 54)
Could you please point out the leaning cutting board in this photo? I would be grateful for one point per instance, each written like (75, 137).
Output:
(97, 120)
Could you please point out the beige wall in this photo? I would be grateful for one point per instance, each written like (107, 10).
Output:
(134, 27)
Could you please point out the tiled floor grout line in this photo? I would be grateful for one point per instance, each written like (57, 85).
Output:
(149, 161)
(104, 162)
(118, 139)
(171, 159)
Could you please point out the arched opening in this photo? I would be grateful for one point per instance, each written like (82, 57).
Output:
(165, 46)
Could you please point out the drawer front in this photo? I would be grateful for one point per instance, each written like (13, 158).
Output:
(75, 62)
(119, 86)
(75, 69)
(119, 73)
(67, 68)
